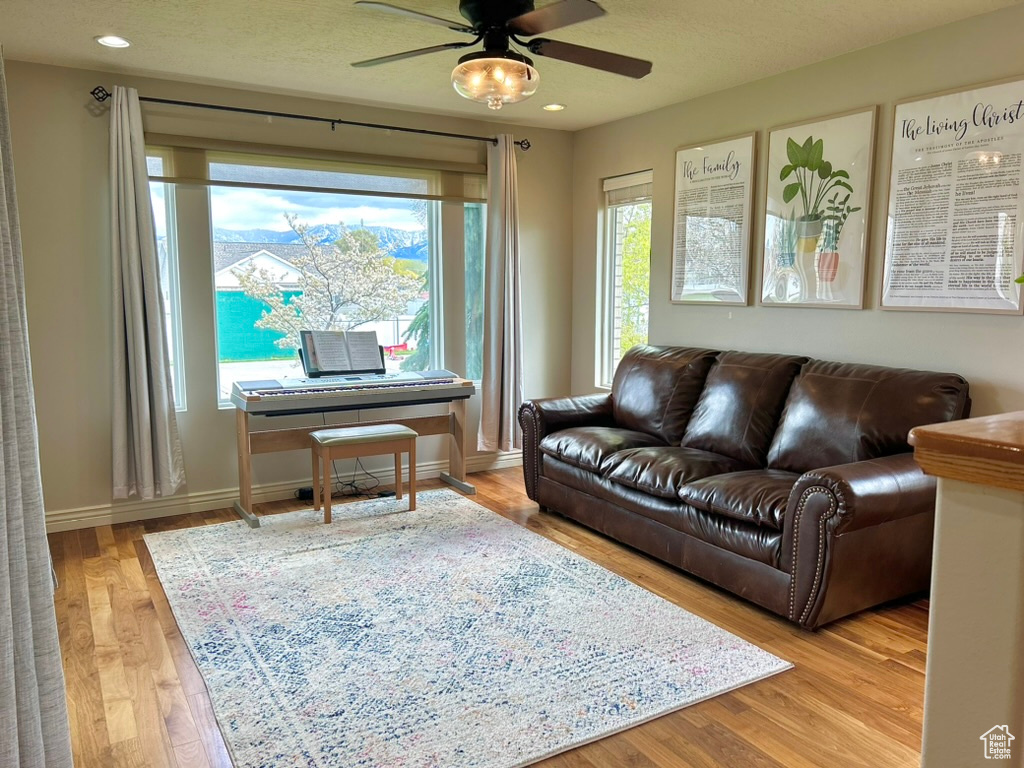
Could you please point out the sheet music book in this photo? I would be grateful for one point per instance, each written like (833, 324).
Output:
(326, 352)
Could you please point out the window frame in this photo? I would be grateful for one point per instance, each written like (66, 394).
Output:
(608, 269)
(477, 379)
(447, 300)
(176, 343)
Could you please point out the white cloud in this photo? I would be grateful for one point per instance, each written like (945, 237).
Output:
(265, 209)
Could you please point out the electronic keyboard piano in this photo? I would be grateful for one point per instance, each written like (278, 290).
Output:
(280, 397)
(273, 397)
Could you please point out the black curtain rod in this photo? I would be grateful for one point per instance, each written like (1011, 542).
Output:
(101, 94)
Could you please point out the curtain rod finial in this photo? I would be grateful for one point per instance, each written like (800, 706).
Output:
(100, 93)
(524, 144)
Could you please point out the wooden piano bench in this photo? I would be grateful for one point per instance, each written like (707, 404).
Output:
(354, 442)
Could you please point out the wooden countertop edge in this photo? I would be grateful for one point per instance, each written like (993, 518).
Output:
(988, 450)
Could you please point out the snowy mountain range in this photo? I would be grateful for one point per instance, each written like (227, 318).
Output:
(399, 243)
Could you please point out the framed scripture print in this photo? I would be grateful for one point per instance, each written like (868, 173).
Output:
(955, 236)
(711, 235)
(816, 212)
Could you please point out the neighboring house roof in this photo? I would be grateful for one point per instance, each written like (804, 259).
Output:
(228, 254)
(278, 269)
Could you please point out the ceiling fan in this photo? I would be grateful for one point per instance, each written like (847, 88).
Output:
(498, 74)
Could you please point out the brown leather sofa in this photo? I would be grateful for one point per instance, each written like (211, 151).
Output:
(785, 480)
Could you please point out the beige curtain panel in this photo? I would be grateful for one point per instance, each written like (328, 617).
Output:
(501, 390)
(33, 711)
(147, 457)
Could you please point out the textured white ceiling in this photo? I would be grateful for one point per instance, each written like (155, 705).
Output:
(305, 47)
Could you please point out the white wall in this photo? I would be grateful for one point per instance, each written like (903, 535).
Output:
(986, 349)
(60, 151)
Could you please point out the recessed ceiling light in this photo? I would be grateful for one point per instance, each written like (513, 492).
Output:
(554, 107)
(112, 41)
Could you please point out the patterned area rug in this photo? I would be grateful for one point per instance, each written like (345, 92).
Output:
(444, 637)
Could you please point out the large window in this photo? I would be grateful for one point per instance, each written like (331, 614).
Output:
(626, 270)
(300, 244)
(286, 260)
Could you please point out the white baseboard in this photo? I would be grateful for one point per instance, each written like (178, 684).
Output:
(132, 511)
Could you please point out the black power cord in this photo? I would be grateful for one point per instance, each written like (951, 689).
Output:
(358, 489)
(351, 488)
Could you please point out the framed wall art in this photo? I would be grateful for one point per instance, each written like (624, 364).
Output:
(711, 236)
(816, 212)
(954, 236)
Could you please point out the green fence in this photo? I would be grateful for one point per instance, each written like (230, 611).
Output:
(238, 339)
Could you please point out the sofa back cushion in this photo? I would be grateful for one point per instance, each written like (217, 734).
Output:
(838, 413)
(656, 388)
(739, 408)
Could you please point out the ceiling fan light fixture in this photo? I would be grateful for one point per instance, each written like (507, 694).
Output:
(495, 78)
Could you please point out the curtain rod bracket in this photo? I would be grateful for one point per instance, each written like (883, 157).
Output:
(101, 94)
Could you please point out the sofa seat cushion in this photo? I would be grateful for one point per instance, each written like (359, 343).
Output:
(662, 471)
(759, 496)
(588, 447)
(741, 538)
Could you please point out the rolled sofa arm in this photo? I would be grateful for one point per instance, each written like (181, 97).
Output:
(872, 492)
(542, 417)
(857, 501)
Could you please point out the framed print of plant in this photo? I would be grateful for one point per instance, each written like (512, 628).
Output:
(816, 212)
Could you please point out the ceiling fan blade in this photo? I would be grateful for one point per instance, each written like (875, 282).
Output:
(409, 54)
(454, 26)
(591, 57)
(555, 16)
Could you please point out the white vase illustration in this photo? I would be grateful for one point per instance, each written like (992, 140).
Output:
(808, 233)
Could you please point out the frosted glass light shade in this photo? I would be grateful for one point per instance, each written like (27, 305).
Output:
(495, 80)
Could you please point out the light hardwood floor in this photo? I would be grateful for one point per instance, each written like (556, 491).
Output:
(854, 697)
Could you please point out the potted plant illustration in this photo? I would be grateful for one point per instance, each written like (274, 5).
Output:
(836, 213)
(814, 178)
(787, 240)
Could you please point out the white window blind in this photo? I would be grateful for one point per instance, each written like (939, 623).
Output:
(629, 188)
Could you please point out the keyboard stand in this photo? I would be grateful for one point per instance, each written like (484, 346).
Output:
(252, 442)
